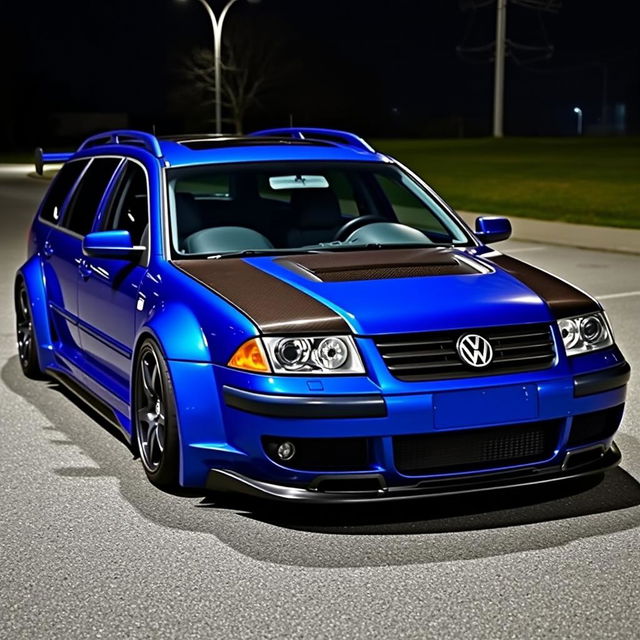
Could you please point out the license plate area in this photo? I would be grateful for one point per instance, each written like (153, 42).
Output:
(485, 406)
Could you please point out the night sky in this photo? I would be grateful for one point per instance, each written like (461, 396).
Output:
(380, 67)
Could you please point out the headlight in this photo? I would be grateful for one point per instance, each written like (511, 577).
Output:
(308, 356)
(582, 334)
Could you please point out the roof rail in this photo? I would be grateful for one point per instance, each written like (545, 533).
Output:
(124, 136)
(331, 135)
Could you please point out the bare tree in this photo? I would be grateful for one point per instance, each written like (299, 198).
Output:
(253, 66)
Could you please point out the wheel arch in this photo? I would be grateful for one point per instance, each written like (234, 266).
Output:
(32, 276)
(182, 341)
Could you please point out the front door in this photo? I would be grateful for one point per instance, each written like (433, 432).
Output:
(108, 288)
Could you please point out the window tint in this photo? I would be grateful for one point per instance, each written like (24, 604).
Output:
(59, 190)
(342, 187)
(129, 208)
(408, 207)
(84, 204)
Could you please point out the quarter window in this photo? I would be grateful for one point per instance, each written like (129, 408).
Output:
(51, 208)
(84, 205)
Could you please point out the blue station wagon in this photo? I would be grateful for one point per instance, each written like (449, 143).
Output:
(294, 316)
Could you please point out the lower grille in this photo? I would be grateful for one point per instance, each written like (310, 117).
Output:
(476, 449)
(592, 427)
(433, 356)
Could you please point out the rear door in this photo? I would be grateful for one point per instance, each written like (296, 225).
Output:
(62, 252)
(108, 288)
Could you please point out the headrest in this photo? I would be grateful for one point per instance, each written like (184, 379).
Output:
(316, 209)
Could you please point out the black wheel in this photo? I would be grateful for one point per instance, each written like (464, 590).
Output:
(25, 335)
(154, 413)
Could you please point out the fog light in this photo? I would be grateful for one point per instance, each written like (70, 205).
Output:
(286, 451)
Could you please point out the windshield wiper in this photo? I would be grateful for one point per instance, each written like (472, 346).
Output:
(259, 252)
(377, 245)
(244, 253)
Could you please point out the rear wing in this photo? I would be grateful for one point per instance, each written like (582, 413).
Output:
(42, 158)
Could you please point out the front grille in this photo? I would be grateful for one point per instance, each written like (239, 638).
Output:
(476, 449)
(433, 356)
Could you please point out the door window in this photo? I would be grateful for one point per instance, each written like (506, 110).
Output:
(129, 209)
(88, 195)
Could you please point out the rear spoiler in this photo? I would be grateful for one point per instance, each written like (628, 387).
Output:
(42, 158)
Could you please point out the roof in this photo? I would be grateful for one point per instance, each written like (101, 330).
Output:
(289, 144)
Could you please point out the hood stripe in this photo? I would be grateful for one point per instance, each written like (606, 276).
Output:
(563, 299)
(276, 307)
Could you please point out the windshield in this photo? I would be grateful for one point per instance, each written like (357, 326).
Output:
(302, 206)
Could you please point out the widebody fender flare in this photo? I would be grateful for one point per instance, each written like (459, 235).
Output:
(32, 274)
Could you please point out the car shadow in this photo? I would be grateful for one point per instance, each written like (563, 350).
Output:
(419, 531)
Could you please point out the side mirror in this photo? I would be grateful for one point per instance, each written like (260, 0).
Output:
(492, 229)
(110, 244)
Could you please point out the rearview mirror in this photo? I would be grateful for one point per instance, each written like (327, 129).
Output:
(110, 244)
(491, 229)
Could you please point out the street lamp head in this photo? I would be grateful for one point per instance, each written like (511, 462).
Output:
(577, 110)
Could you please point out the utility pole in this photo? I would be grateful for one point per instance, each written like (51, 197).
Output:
(498, 95)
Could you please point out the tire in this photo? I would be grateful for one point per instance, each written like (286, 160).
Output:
(154, 415)
(25, 335)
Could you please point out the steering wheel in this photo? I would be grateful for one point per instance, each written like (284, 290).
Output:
(355, 223)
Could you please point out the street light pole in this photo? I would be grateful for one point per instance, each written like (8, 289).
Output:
(217, 24)
(578, 112)
(498, 95)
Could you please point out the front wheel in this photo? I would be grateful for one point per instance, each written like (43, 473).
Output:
(154, 414)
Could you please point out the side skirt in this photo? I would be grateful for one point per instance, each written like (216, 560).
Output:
(90, 399)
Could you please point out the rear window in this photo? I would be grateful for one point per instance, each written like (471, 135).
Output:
(51, 208)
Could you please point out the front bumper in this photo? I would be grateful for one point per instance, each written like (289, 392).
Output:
(596, 460)
(228, 438)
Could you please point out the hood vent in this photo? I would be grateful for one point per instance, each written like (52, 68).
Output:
(380, 265)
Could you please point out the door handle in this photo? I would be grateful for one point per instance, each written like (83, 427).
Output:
(85, 269)
(47, 249)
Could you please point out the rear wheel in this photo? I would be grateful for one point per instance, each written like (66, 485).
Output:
(25, 335)
(155, 419)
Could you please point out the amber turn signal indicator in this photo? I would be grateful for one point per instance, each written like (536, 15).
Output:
(250, 357)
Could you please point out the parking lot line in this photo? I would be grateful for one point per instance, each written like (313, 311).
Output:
(626, 294)
(525, 249)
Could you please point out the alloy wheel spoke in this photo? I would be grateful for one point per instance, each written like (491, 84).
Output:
(155, 380)
(160, 437)
(147, 381)
(152, 441)
(24, 304)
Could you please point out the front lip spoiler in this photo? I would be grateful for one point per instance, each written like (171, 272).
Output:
(226, 481)
(281, 406)
(603, 380)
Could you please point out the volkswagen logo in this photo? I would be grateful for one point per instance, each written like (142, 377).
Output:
(474, 350)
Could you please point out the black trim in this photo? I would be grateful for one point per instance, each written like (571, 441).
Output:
(368, 406)
(90, 399)
(603, 380)
(226, 481)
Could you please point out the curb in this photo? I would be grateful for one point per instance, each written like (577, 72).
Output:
(582, 236)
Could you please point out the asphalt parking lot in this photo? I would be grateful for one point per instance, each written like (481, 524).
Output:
(88, 548)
